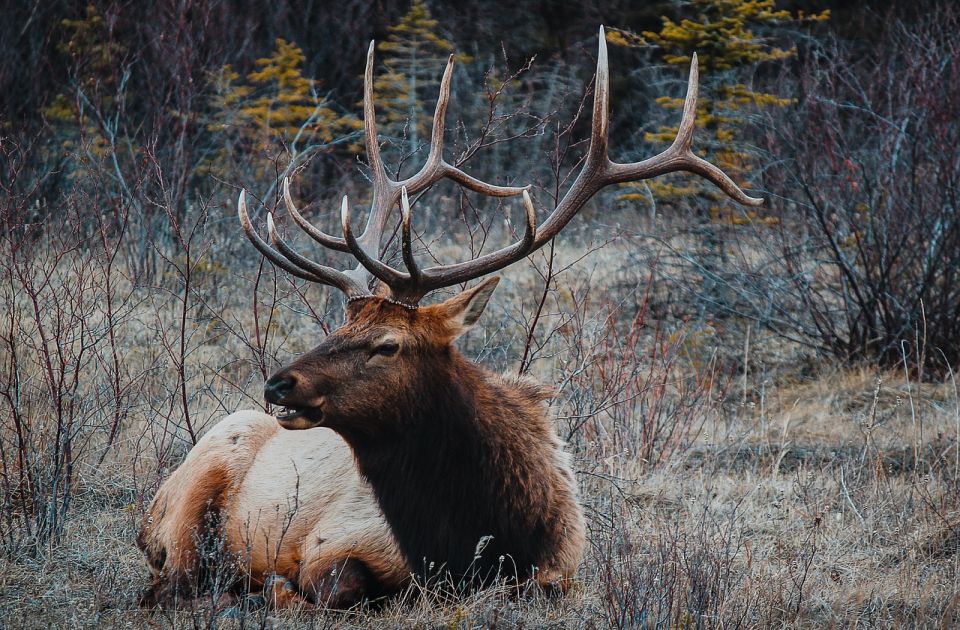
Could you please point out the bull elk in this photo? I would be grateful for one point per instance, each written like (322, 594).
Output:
(453, 454)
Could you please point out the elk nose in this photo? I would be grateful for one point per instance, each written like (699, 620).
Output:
(277, 388)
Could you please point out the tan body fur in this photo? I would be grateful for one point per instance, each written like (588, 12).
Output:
(289, 503)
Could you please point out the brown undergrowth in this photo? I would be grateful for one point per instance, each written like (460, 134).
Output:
(722, 488)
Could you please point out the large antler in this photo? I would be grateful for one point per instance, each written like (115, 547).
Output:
(386, 194)
(410, 286)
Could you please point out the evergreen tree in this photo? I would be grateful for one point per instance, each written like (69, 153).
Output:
(724, 34)
(277, 103)
(412, 60)
(95, 58)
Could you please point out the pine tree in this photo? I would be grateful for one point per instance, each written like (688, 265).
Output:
(276, 103)
(95, 56)
(723, 34)
(413, 59)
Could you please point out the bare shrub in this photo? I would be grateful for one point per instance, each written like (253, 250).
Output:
(865, 262)
(676, 576)
(633, 392)
(65, 390)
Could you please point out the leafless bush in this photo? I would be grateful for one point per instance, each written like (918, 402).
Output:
(65, 389)
(676, 576)
(867, 254)
(635, 391)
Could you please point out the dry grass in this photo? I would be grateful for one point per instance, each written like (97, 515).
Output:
(714, 499)
(816, 531)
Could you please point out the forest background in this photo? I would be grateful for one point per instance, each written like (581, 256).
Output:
(761, 403)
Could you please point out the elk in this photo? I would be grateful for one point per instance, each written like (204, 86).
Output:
(464, 464)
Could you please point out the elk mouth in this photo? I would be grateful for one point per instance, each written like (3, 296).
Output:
(298, 418)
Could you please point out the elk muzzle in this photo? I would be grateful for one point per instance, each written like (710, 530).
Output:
(280, 390)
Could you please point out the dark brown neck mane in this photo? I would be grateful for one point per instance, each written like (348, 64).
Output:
(473, 457)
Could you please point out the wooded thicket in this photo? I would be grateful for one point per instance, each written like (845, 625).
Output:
(134, 315)
(165, 109)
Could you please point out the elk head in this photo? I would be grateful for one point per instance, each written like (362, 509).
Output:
(369, 364)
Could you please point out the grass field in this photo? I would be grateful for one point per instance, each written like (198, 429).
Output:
(728, 481)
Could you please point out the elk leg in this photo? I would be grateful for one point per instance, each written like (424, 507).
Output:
(339, 585)
(282, 593)
(553, 583)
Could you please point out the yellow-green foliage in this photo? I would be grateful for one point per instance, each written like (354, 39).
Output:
(721, 32)
(94, 55)
(276, 102)
(412, 57)
(89, 43)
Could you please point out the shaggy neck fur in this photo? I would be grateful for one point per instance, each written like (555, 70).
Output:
(475, 459)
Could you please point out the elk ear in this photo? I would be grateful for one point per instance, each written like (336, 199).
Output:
(463, 311)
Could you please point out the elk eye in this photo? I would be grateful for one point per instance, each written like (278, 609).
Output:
(387, 348)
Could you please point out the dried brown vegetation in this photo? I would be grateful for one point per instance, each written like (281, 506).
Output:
(738, 467)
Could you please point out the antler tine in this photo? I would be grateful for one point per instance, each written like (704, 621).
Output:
(436, 168)
(688, 121)
(407, 245)
(330, 242)
(315, 269)
(680, 155)
(312, 272)
(432, 169)
(370, 123)
(381, 271)
(684, 141)
(599, 129)
(472, 183)
(384, 194)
